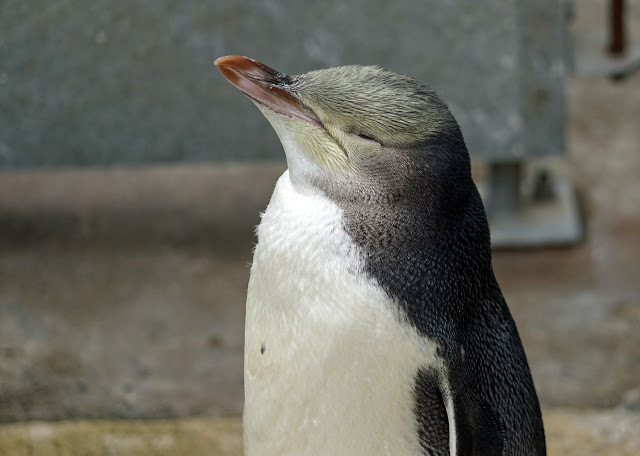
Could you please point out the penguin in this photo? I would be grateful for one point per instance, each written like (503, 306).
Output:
(374, 322)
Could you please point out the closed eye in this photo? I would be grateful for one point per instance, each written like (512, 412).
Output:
(363, 136)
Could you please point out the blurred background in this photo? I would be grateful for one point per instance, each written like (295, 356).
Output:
(132, 175)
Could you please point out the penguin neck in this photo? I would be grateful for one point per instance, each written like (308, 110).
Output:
(446, 262)
(431, 232)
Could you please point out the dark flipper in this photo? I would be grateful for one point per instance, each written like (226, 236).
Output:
(477, 429)
(433, 427)
(455, 424)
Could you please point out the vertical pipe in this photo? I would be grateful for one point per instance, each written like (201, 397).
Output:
(616, 27)
(504, 187)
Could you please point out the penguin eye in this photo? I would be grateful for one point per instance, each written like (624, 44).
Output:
(363, 136)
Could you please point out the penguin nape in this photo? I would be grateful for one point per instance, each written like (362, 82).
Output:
(374, 322)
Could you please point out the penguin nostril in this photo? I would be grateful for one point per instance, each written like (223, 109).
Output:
(365, 137)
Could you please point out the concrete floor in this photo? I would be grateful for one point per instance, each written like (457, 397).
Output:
(569, 433)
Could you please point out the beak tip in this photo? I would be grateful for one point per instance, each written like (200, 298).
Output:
(221, 60)
(235, 61)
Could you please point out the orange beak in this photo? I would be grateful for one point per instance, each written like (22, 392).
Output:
(265, 86)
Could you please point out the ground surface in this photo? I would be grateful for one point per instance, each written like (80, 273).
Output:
(569, 433)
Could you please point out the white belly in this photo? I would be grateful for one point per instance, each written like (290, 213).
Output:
(329, 363)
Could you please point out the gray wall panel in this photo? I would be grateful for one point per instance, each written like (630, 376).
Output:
(100, 83)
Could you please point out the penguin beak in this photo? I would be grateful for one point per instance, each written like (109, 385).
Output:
(265, 86)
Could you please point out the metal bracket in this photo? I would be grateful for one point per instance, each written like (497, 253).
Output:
(543, 213)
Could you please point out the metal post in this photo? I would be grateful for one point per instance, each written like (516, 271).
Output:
(504, 187)
(617, 36)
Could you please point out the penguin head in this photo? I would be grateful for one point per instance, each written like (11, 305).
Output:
(357, 132)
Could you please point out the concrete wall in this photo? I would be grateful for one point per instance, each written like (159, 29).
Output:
(101, 83)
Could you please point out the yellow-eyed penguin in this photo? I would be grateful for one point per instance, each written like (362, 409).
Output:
(374, 324)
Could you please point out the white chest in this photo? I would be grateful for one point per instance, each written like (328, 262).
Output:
(329, 363)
